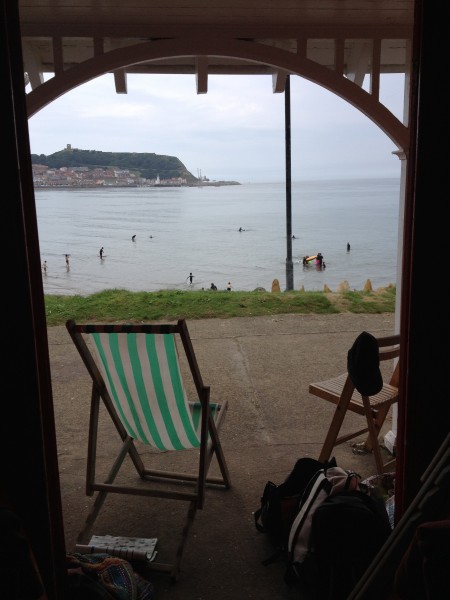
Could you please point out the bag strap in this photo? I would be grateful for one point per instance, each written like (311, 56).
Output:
(270, 489)
(320, 483)
(259, 526)
(342, 479)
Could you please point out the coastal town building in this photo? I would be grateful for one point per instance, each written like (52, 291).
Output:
(80, 177)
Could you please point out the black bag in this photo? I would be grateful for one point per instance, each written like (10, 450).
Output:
(326, 527)
(348, 529)
(280, 503)
(325, 483)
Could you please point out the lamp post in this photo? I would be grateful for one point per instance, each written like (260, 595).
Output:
(287, 127)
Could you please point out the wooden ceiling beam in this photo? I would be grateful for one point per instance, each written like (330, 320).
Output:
(279, 81)
(120, 81)
(201, 74)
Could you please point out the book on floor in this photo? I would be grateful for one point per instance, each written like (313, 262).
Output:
(128, 548)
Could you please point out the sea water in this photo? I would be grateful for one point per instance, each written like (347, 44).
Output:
(185, 230)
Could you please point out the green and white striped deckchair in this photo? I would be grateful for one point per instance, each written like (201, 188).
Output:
(135, 371)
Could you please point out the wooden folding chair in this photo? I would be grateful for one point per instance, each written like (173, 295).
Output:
(341, 391)
(136, 372)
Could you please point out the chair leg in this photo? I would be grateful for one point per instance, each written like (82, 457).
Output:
(216, 447)
(101, 495)
(337, 420)
(379, 420)
(186, 529)
(374, 431)
(174, 569)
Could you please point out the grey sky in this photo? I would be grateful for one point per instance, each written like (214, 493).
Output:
(235, 131)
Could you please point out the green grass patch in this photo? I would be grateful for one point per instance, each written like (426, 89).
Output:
(118, 305)
(377, 302)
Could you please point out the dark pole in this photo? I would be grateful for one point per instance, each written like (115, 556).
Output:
(287, 113)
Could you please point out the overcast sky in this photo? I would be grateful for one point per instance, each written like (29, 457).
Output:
(234, 132)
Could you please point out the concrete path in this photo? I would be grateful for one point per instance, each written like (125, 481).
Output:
(263, 366)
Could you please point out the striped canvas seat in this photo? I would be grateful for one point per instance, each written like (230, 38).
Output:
(142, 374)
(136, 373)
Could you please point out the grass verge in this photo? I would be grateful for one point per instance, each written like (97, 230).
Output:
(118, 305)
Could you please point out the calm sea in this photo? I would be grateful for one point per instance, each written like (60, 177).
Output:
(195, 230)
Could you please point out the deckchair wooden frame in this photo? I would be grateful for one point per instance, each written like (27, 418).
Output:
(209, 443)
(341, 391)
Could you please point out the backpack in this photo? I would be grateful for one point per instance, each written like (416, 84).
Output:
(324, 484)
(347, 531)
(286, 510)
(279, 504)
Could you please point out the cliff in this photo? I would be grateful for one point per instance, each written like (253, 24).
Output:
(148, 165)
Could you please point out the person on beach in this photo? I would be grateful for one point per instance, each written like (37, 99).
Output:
(229, 286)
(348, 247)
(190, 277)
(133, 238)
(101, 252)
(213, 286)
(44, 266)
